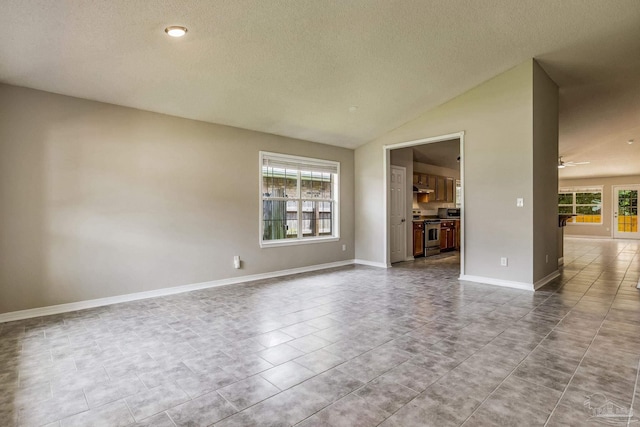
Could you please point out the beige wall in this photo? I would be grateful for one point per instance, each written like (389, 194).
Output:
(545, 165)
(98, 200)
(607, 183)
(498, 168)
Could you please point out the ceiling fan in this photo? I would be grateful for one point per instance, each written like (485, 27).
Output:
(563, 164)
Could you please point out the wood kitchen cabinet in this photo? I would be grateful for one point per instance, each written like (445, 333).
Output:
(448, 235)
(450, 185)
(428, 181)
(457, 235)
(441, 189)
(418, 239)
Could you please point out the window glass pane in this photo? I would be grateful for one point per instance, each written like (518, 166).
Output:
(590, 214)
(316, 185)
(292, 219)
(627, 202)
(317, 218)
(588, 198)
(588, 210)
(279, 219)
(274, 219)
(565, 209)
(279, 182)
(325, 216)
(565, 198)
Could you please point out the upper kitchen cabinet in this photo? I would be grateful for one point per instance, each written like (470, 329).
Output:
(450, 185)
(428, 181)
(441, 189)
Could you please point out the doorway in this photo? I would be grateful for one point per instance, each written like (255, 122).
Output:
(625, 212)
(398, 214)
(389, 236)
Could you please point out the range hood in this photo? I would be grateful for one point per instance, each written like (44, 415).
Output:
(421, 188)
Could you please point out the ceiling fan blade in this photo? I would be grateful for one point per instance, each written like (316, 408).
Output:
(569, 164)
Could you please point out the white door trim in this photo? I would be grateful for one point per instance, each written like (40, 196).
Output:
(386, 168)
(403, 255)
(614, 212)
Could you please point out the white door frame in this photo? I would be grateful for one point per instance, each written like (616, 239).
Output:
(614, 212)
(386, 168)
(404, 207)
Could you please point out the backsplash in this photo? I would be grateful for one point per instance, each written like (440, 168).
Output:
(429, 208)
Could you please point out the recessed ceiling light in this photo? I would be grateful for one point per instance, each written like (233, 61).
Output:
(353, 108)
(630, 141)
(176, 31)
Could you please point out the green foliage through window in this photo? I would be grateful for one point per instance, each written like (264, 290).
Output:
(586, 204)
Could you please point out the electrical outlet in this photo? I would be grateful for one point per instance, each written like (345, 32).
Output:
(344, 248)
(503, 261)
(519, 202)
(236, 261)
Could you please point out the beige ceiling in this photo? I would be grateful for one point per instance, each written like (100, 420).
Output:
(443, 153)
(295, 67)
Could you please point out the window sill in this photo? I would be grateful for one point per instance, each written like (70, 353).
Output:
(295, 242)
(584, 223)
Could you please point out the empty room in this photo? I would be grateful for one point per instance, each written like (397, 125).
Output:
(318, 213)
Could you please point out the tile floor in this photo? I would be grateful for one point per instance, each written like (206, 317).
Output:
(355, 346)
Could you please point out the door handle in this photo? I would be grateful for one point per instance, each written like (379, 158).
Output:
(402, 220)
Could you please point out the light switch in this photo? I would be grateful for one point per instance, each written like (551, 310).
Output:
(519, 202)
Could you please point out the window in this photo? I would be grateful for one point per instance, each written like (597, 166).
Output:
(299, 199)
(584, 202)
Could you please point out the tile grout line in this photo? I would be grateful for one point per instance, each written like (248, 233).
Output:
(633, 396)
(635, 387)
(520, 363)
(464, 360)
(587, 350)
(517, 366)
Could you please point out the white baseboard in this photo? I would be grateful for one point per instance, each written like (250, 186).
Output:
(560, 261)
(581, 236)
(371, 263)
(498, 282)
(82, 305)
(549, 277)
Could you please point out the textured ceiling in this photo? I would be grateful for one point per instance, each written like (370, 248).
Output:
(295, 67)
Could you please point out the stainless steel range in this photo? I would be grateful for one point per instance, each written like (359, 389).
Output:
(431, 237)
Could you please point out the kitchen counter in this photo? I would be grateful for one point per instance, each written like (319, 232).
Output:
(436, 218)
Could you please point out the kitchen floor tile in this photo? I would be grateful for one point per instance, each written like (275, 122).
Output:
(202, 411)
(248, 392)
(115, 414)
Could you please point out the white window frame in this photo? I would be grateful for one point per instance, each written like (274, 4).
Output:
(585, 189)
(335, 215)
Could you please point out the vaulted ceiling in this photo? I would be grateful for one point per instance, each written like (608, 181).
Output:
(296, 68)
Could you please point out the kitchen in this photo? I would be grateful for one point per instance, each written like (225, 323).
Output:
(433, 199)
